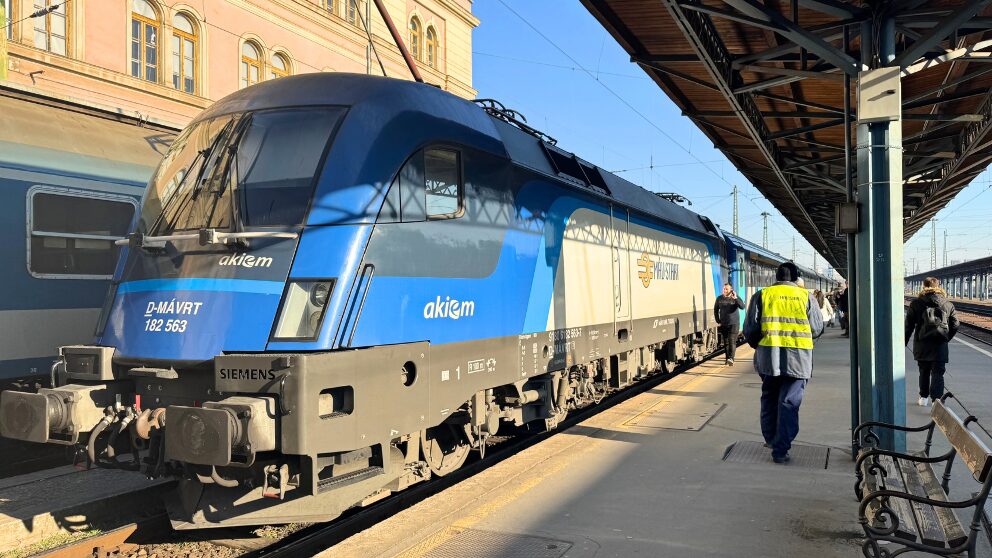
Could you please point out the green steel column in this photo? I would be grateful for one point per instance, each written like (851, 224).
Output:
(879, 250)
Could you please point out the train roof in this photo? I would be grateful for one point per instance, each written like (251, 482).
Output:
(745, 244)
(388, 96)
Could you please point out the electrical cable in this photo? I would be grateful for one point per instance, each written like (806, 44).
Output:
(612, 92)
(39, 13)
(368, 33)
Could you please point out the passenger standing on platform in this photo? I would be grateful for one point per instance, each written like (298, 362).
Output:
(781, 322)
(935, 322)
(826, 310)
(728, 315)
(845, 321)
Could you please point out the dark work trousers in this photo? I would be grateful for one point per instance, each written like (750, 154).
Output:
(729, 335)
(931, 378)
(781, 397)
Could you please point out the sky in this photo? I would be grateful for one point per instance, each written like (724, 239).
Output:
(552, 61)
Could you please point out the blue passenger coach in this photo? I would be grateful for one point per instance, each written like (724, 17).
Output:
(340, 285)
(70, 184)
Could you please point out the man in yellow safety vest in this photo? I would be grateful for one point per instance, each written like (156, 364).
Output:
(781, 322)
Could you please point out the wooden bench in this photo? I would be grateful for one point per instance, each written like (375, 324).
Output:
(904, 502)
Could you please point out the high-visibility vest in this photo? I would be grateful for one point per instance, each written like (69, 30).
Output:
(784, 322)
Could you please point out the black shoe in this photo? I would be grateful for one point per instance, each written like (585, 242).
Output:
(782, 460)
(768, 444)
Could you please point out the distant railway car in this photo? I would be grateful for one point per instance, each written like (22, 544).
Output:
(753, 268)
(70, 185)
(340, 285)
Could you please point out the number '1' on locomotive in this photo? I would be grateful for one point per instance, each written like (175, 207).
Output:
(340, 285)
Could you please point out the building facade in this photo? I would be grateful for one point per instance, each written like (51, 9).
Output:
(92, 93)
(164, 61)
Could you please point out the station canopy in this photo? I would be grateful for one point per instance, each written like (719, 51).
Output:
(765, 82)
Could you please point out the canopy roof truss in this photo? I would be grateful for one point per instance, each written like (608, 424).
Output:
(765, 81)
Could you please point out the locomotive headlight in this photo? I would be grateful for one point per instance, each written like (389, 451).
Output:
(303, 306)
(319, 293)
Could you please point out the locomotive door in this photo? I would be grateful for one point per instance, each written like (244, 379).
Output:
(621, 269)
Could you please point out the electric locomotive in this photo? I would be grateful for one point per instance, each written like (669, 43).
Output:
(340, 285)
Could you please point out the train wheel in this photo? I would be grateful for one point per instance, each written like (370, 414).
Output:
(444, 448)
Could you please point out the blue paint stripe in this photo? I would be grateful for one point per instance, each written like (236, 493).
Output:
(203, 284)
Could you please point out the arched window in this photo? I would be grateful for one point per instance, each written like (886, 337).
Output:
(430, 47)
(251, 64)
(280, 66)
(144, 41)
(51, 29)
(8, 15)
(183, 54)
(415, 38)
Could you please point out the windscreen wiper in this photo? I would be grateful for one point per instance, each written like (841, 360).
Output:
(206, 237)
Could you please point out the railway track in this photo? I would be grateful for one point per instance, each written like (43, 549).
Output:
(131, 539)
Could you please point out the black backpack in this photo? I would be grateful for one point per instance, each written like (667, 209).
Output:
(933, 326)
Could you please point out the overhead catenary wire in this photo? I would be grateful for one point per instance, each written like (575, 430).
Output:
(368, 33)
(550, 65)
(39, 13)
(611, 91)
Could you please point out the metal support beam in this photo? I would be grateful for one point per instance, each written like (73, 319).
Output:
(739, 18)
(798, 102)
(833, 7)
(878, 249)
(804, 129)
(705, 42)
(808, 74)
(802, 37)
(947, 26)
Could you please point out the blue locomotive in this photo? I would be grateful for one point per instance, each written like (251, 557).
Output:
(340, 285)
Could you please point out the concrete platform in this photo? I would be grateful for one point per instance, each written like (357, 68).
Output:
(36, 506)
(676, 471)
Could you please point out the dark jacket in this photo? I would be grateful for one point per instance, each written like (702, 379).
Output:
(728, 310)
(842, 301)
(930, 349)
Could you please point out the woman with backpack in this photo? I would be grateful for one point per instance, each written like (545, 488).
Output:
(932, 318)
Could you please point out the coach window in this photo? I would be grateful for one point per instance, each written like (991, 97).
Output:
(73, 235)
(442, 175)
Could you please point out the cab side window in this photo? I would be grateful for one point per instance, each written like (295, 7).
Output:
(442, 174)
(429, 186)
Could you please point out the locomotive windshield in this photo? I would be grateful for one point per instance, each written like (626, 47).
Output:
(240, 170)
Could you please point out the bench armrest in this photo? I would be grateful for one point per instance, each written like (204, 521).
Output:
(915, 458)
(914, 498)
(871, 423)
